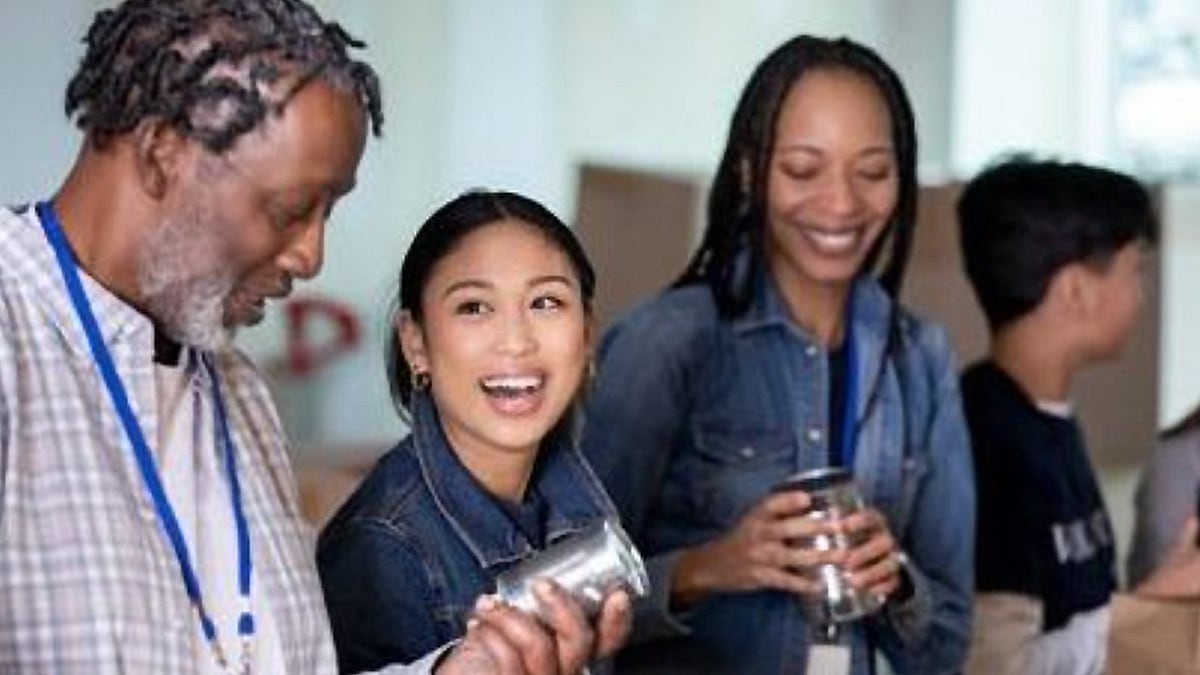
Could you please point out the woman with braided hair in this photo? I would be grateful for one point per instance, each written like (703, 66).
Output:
(783, 348)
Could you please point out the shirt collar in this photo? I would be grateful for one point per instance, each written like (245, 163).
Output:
(573, 495)
(872, 315)
(871, 307)
(31, 256)
(766, 308)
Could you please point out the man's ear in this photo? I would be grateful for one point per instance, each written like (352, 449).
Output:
(1072, 290)
(158, 154)
(412, 342)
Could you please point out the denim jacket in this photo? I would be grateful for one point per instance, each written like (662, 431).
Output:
(407, 555)
(694, 418)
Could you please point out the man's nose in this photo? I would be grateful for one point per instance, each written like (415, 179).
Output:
(305, 255)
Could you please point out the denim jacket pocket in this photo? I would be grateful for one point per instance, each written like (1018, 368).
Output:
(735, 468)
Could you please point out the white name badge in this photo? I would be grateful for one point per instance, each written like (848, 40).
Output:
(828, 660)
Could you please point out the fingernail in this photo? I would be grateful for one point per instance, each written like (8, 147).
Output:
(472, 623)
(542, 586)
(486, 603)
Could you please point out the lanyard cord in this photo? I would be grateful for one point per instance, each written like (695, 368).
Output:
(849, 419)
(145, 460)
(851, 422)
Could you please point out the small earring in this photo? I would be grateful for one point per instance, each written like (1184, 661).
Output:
(419, 380)
(591, 370)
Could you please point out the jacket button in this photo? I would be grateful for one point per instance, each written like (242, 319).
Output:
(814, 435)
(746, 451)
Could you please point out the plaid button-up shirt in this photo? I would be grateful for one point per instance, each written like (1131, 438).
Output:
(88, 581)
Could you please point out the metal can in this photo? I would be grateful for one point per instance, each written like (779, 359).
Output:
(588, 565)
(834, 497)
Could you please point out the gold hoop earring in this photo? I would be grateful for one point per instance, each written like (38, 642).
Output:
(419, 380)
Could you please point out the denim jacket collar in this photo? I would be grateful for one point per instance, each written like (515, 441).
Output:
(871, 309)
(573, 495)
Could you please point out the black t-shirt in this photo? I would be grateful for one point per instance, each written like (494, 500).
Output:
(1042, 528)
(529, 517)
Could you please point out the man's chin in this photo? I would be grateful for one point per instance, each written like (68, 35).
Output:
(197, 329)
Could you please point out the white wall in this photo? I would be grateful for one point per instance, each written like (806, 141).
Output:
(652, 83)
(38, 52)
(1180, 387)
(1031, 75)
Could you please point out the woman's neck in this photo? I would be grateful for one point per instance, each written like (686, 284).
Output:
(504, 473)
(819, 309)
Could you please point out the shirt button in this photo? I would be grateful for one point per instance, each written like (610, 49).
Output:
(814, 435)
(811, 351)
(746, 452)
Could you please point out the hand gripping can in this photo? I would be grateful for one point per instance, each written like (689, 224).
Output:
(834, 497)
(588, 565)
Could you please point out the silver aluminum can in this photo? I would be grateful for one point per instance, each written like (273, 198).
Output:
(588, 565)
(834, 497)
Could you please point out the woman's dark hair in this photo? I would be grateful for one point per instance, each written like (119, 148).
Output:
(441, 234)
(737, 201)
(202, 66)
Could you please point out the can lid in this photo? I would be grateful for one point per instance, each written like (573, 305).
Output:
(815, 479)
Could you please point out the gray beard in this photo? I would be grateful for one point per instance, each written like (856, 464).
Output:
(184, 282)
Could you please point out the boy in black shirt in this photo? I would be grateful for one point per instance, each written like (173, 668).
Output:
(1053, 252)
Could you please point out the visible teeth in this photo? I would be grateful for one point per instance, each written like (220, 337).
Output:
(834, 241)
(511, 385)
(513, 381)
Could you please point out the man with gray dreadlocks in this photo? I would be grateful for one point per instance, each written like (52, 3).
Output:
(148, 515)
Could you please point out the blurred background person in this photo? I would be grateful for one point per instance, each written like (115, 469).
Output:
(1168, 493)
(1054, 254)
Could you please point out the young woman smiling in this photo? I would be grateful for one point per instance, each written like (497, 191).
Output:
(492, 345)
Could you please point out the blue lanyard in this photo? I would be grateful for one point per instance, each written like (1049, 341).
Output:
(849, 412)
(141, 450)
